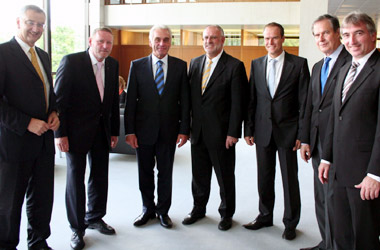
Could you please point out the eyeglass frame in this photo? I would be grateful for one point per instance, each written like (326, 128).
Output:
(31, 23)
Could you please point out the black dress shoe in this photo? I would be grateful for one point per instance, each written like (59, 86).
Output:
(289, 234)
(310, 248)
(225, 223)
(256, 225)
(77, 242)
(165, 221)
(40, 248)
(192, 218)
(143, 218)
(102, 227)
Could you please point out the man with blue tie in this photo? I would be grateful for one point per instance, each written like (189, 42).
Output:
(157, 117)
(321, 90)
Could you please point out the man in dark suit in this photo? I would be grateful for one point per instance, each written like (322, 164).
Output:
(27, 120)
(352, 142)
(217, 82)
(321, 90)
(279, 84)
(88, 101)
(157, 117)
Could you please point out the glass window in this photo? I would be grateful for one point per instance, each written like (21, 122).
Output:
(115, 1)
(233, 38)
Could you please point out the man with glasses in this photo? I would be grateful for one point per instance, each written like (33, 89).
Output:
(217, 85)
(28, 118)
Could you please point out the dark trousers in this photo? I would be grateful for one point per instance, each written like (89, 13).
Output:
(324, 203)
(35, 179)
(266, 166)
(97, 187)
(223, 160)
(357, 224)
(147, 156)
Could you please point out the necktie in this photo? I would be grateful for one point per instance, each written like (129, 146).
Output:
(99, 79)
(349, 79)
(159, 78)
(206, 75)
(272, 76)
(325, 73)
(38, 69)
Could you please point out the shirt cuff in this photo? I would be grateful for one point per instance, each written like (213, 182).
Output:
(326, 162)
(375, 177)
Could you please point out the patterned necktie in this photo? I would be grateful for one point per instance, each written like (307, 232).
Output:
(325, 73)
(38, 69)
(99, 79)
(272, 76)
(206, 75)
(159, 78)
(349, 79)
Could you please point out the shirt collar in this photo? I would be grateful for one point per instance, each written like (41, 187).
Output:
(279, 58)
(365, 58)
(335, 54)
(155, 59)
(24, 46)
(215, 59)
(94, 61)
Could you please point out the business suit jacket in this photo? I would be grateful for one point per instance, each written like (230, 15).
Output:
(318, 106)
(152, 117)
(220, 110)
(79, 103)
(352, 140)
(22, 98)
(281, 115)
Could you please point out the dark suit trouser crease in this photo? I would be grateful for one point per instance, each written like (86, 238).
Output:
(266, 165)
(359, 222)
(35, 180)
(203, 160)
(147, 156)
(323, 199)
(97, 186)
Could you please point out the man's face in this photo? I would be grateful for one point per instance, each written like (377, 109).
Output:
(101, 44)
(326, 39)
(273, 40)
(160, 43)
(213, 41)
(357, 40)
(31, 26)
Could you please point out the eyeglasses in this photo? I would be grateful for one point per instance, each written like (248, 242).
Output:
(31, 23)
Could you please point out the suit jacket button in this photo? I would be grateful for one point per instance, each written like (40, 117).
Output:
(340, 118)
(320, 111)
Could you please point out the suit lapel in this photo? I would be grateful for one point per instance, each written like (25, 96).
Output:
(88, 67)
(263, 72)
(107, 80)
(287, 69)
(169, 75)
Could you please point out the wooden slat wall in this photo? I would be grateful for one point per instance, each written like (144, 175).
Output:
(127, 53)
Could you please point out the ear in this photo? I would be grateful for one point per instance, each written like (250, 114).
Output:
(18, 21)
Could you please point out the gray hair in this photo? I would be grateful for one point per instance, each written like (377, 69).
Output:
(357, 17)
(159, 26)
(334, 22)
(106, 29)
(31, 7)
(216, 26)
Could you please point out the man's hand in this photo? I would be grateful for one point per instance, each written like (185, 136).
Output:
(62, 144)
(230, 141)
(114, 140)
(323, 172)
(37, 126)
(305, 152)
(297, 145)
(249, 140)
(53, 121)
(132, 140)
(369, 188)
(182, 139)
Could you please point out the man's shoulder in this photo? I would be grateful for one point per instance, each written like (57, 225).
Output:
(295, 58)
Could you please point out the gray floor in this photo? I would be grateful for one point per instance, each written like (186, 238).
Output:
(124, 205)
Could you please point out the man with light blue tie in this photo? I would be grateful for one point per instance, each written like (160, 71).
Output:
(327, 38)
(157, 117)
(278, 91)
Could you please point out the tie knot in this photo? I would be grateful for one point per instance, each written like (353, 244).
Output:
(209, 62)
(159, 63)
(327, 60)
(99, 65)
(273, 61)
(32, 51)
(354, 65)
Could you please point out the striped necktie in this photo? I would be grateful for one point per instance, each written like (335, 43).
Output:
(159, 78)
(206, 75)
(38, 69)
(350, 79)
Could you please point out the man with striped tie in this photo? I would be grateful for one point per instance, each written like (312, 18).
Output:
(157, 117)
(217, 82)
